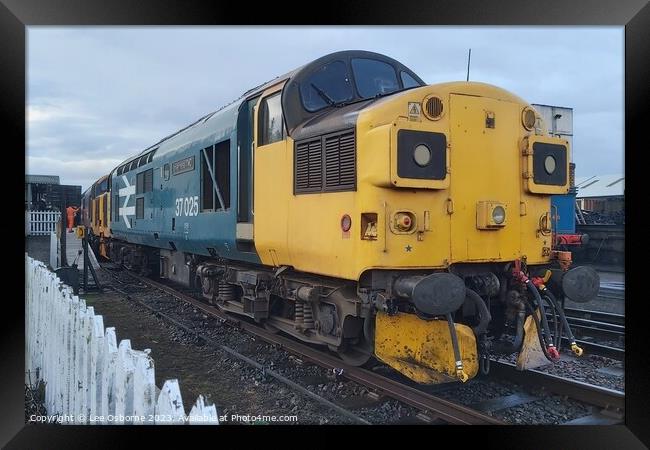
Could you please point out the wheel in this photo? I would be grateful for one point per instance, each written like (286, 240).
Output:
(356, 354)
(360, 353)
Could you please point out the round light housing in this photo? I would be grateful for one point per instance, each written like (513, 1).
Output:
(422, 155)
(433, 107)
(498, 215)
(549, 164)
(346, 223)
(528, 118)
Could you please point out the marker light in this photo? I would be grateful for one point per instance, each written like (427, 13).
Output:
(346, 223)
(498, 215)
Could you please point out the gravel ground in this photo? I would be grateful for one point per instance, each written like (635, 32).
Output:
(548, 410)
(588, 369)
(238, 388)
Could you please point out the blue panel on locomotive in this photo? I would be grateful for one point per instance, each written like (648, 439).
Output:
(160, 197)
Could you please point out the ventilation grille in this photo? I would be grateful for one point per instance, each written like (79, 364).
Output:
(340, 164)
(309, 166)
(326, 163)
(433, 108)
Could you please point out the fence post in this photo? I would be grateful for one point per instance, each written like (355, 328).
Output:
(169, 407)
(124, 369)
(202, 414)
(96, 365)
(108, 374)
(144, 387)
(81, 362)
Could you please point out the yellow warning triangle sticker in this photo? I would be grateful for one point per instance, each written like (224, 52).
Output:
(415, 110)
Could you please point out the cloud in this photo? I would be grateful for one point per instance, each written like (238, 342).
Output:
(105, 93)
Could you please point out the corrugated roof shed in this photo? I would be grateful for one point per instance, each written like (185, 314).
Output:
(42, 179)
(601, 186)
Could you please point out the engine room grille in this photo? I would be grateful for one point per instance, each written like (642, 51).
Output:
(340, 167)
(326, 163)
(309, 166)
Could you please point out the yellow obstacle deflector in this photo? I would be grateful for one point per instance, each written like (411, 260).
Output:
(531, 354)
(422, 350)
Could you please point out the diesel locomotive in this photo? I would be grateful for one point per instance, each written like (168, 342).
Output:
(349, 204)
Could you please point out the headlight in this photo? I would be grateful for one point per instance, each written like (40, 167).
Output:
(422, 155)
(549, 164)
(528, 118)
(498, 215)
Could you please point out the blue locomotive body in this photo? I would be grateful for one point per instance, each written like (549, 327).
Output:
(164, 202)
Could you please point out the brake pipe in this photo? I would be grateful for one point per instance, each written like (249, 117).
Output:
(460, 373)
(540, 334)
(556, 334)
(484, 312)
(574, 346)
(547, 342)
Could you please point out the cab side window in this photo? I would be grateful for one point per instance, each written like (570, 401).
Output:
(271, 124)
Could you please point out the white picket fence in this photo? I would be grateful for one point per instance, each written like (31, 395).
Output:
(41, 223)
(89, 377)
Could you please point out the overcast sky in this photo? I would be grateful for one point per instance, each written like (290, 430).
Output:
(97, 95)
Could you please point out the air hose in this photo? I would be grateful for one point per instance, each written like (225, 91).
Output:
(556, 335)
(574, 346)
(484, 312)
(460, 373)
(550, 351)
(484, 320)
(540, 335)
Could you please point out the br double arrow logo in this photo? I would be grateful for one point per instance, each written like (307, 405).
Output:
(127, 191)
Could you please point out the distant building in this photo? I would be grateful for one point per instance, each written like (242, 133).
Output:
(558, 119)
(44, 192)
(603, 196)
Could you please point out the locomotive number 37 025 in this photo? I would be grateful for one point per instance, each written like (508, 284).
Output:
(187, 206)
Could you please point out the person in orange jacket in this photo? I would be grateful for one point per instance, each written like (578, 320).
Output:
(70, 212)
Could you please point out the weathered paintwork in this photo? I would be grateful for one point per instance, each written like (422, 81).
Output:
(483, 164)
(423, 350)
(191, 231)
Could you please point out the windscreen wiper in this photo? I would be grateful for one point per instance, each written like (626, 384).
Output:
(323, 95)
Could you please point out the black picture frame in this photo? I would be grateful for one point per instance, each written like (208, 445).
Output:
(16, 15)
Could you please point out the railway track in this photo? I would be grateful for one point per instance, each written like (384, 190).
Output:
(609, 404)
(612, 291)
(433, 409)
(600, 333)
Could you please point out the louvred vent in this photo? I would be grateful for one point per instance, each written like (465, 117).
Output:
(309, 166)
(326, 163)
(340, 158)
